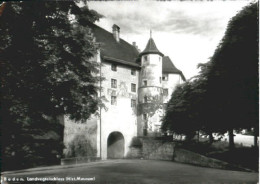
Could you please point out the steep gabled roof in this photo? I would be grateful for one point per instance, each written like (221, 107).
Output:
(124, 53)
(151, 48)
(168, 67)
(110, 48)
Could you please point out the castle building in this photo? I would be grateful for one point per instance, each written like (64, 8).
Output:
(136, 87)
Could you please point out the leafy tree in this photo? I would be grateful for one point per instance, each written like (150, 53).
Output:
(181, 117)
(224, 96)
(233, 74)
(46, 72)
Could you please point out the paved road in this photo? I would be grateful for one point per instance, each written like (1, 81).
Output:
(141, 172)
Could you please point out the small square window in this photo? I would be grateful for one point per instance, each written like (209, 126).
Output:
(165, 92)
(113, 83)
(133, 103)
(133, 87)
(133, 72)
(145, 82)
(145, 99)
(144, 116)
(113, 100)
(165, 77)
(114, 67)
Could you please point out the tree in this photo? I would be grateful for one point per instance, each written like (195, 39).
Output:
(46, 72)
(233, 73)
(181, 113)
(224, 96)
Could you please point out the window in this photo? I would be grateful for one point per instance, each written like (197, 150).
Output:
(144, 116)
(145, 58)
(165, 77)
(145, 82)
(113, 83)
(113, 100)
(160, 79)
(145, 99)
(133, 103)
(133, 87)
(165, 92)
(114, 67)
(133, 72)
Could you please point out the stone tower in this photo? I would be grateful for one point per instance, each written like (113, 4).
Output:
(150, 98)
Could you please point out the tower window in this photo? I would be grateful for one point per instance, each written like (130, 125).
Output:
(145, 58)
(145, 82)
(114, 67)
(144, 116)
(160, 79)
(133, 87)
(165, 92)
(133, 72)
(145, 99)
(113, 83)
(113, 100)
(133, 103)
(165, 77)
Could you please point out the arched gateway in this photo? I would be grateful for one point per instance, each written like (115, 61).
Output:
(115, 145)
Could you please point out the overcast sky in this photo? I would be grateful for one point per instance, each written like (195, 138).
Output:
(188, 32)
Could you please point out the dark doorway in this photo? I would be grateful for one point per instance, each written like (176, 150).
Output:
(115, 145)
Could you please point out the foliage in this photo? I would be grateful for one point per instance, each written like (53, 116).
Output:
(80, 146)
(233, 73)
(46, 71)
(224, 96)
(182, 112)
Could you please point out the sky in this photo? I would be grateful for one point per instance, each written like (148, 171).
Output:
(188, 31)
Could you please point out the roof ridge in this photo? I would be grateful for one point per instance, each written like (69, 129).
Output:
(112, 35)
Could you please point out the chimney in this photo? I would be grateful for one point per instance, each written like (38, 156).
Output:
(134, 44)
(116, 31)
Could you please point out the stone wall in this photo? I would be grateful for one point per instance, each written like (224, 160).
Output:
(158, 150)
(153, 149)
(135, 153)
(189, 157)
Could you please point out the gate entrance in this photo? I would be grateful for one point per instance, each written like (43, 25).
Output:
(115, 145)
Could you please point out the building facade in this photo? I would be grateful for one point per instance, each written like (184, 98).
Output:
(136, 87)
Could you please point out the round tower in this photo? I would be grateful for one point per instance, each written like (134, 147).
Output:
(150, 98)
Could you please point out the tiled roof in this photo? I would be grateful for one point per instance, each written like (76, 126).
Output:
(168, 67)
(124, 53)
(111, 48)
(151, 48)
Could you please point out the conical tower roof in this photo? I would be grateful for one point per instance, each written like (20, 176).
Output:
(151, 48)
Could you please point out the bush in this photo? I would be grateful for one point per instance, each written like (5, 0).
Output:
(80, 146)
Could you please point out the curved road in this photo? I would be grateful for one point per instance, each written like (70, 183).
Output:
(140, 172)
